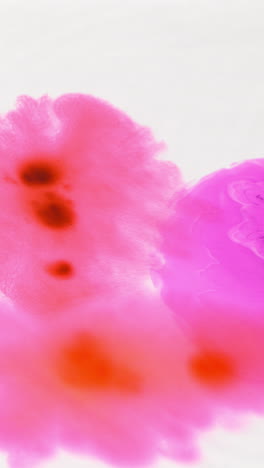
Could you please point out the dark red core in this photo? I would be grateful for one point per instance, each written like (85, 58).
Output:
(55, 212)
(61, 269)
(39, 172)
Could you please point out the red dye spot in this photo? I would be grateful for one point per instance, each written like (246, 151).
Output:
(60, 269)
(38, 173)
(85, 365)
(212, 368)
(55, 212)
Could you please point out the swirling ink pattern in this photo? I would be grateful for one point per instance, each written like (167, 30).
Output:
(131, 302)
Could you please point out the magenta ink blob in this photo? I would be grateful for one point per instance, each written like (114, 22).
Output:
(212, 281)
(217, 224)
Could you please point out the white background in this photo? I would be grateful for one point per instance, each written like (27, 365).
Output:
(192, 70)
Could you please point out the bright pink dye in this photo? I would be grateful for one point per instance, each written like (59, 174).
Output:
(92, 359)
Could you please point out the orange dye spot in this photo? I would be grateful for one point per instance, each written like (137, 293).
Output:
(212, 368)
(85, 365)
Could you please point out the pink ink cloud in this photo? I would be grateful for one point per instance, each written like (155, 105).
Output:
(131, 303)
